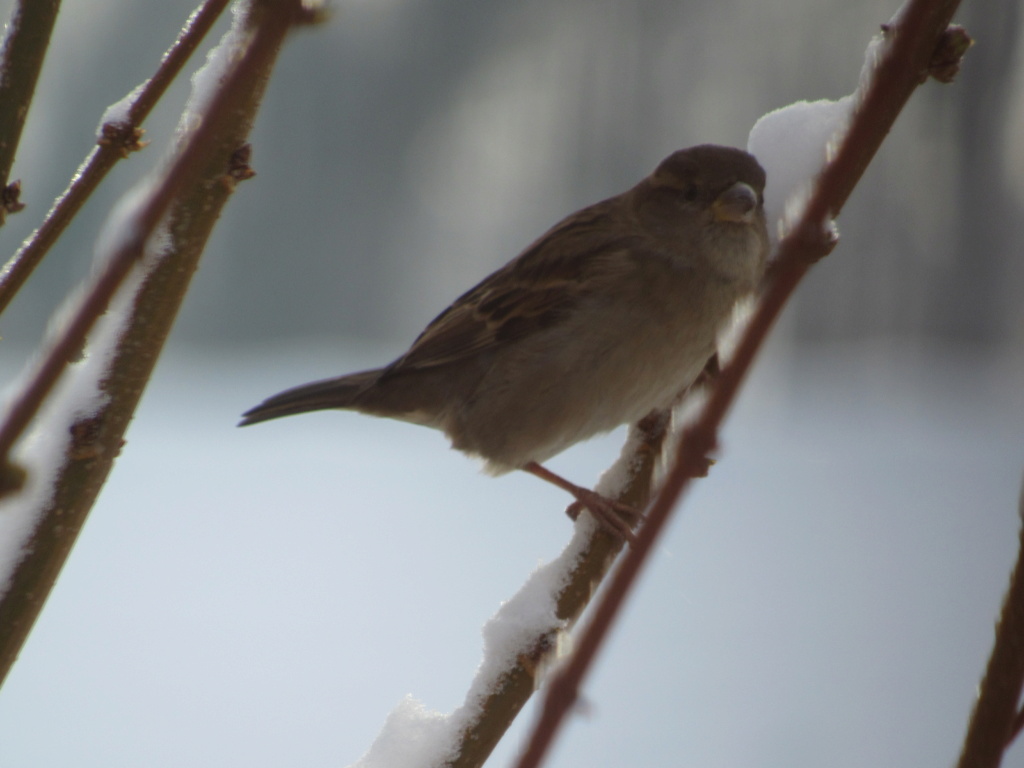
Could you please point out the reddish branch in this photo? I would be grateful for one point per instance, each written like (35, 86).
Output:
(28, 37)
(205, 176)
(996, 719)
(117, 141)
(137, 231)
(913, 43)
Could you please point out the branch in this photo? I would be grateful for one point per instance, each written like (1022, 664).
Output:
(184, 202)
(913, 45)
(138, 230)
(504, 694)
(995, 721)
(28, 37)
(117, 139)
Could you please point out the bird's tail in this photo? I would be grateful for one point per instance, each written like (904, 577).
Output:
(343, 392)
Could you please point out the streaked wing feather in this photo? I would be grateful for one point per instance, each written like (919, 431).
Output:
(535, 291)
(485, 318)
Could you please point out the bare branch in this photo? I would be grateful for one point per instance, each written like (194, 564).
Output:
(28, 37)
(140, 229)
(512, 687)
(116, 141)
(996, 721)
(185, 202)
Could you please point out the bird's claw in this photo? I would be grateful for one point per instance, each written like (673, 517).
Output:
(616, 517)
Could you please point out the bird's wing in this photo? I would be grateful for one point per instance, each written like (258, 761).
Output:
(533, 292)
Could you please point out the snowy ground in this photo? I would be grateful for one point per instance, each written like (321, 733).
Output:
(265, 596)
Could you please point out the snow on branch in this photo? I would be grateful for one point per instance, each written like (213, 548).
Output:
(145, 258)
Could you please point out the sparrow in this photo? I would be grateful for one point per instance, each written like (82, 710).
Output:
(610, 314)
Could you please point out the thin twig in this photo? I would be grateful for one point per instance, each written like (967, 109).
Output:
(115, 144)
(913, 41)
(28, 37)
(996, 721)
(207, 167)
(145, 220)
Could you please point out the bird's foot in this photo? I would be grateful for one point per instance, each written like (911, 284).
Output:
(616, 517)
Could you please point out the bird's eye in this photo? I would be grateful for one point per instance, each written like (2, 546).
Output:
(690, 192)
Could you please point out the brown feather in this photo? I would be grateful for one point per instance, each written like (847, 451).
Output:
(535, 291)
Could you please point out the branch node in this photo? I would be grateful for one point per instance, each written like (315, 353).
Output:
(85, 439)
(12, 478)
(126, 138)
(238, 167)
(696, 448)
(10, 199)
(530, 664)
(949, 53)
(815, 241)
(829, 238)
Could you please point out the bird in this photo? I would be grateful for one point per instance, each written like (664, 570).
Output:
(610, 314)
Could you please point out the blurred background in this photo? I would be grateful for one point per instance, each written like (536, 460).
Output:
(265, 596)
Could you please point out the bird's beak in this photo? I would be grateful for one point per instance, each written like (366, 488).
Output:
(736, 204)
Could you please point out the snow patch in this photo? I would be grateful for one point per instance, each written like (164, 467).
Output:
(412, 736)
(794, 142)
(207, 79)
(117, 113)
